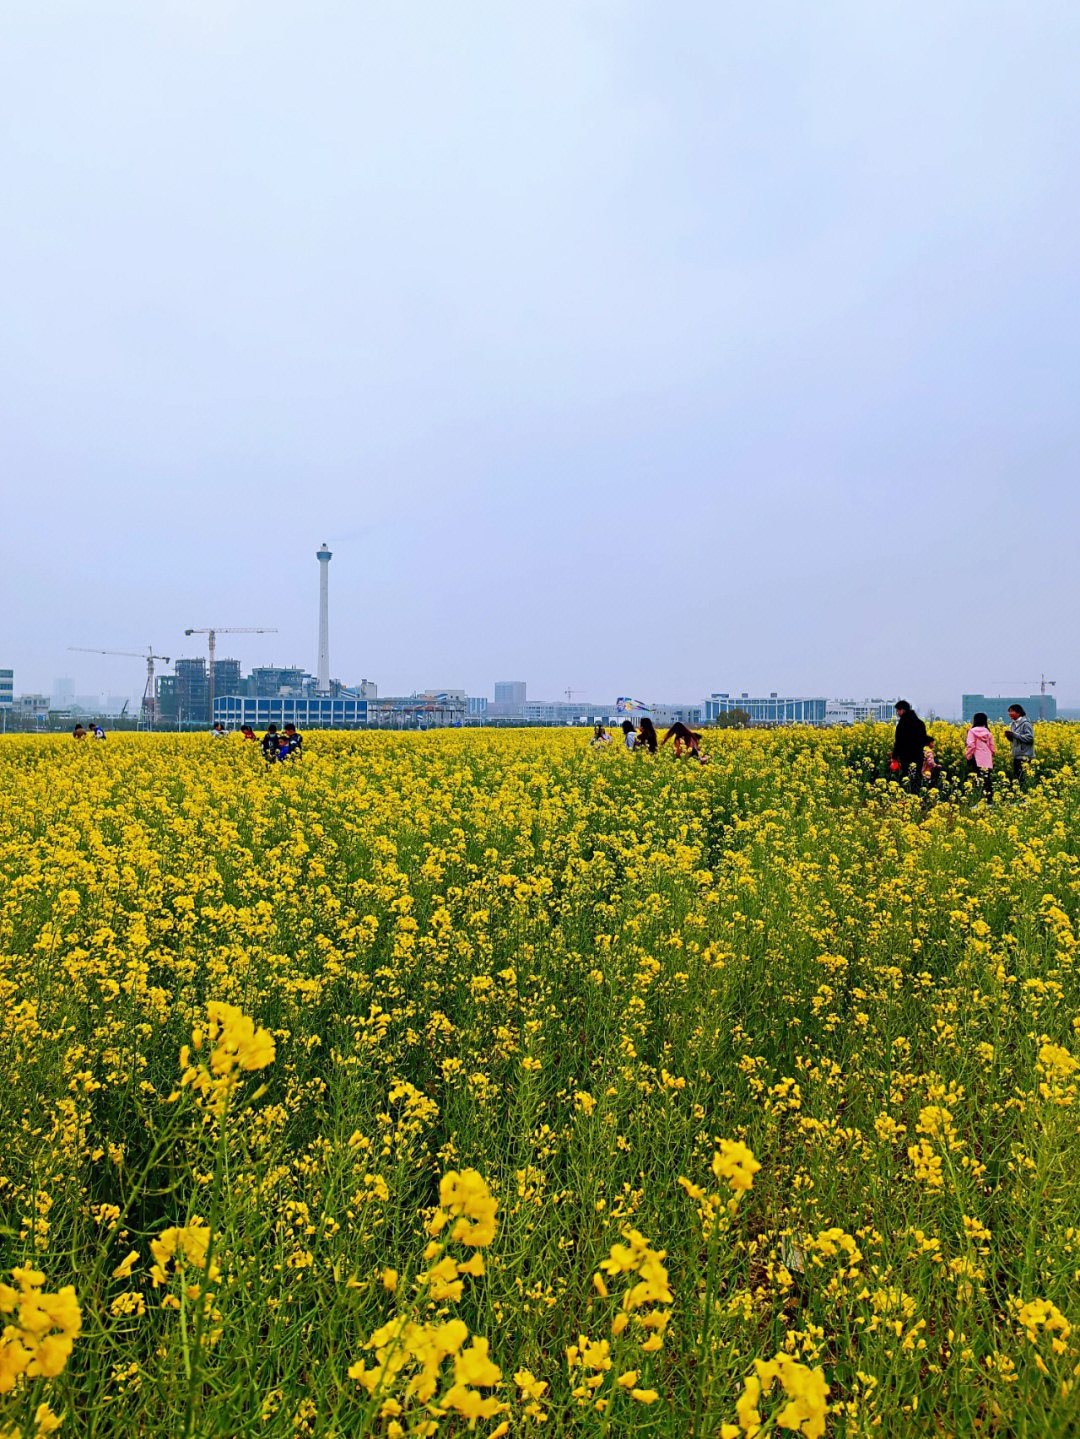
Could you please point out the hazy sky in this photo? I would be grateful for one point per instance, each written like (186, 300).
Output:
(644, 349)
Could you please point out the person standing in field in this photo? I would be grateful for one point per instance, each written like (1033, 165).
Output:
(647, 739)
(78, 732)
(979, 749)
(271, 743)
(1021, 735)
(909, 743)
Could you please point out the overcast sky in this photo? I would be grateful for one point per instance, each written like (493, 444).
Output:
(637, 348)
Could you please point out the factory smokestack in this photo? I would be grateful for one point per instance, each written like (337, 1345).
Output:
(323, 556)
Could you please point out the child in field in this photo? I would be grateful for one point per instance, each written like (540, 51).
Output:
(600, 736)
(979, 749)
(629, 734)
(929, 764)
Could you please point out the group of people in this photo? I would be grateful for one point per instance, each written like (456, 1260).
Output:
(277, 745)
(913, 757)
(90, 731)
(644, 738)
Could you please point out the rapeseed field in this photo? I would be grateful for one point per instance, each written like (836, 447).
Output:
(485, 1082)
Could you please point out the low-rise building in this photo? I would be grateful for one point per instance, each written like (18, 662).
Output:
(849, 712)
(663, 716)
(767, 709)
(30, 709)
(421, 711)
(304, 711)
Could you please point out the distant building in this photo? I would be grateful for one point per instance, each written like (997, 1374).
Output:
(510, 692)
(573, 712)
(226, 677)
(848, 712)
(420, 711)
(30, 709)
(63, 694)
(7, 688)
(192, 693)
(270, 681)
(996, 707)
(767, 709)
(476, 705)
(663, 716)
(306, 712)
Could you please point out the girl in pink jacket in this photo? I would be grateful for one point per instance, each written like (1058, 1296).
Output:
(979, 748)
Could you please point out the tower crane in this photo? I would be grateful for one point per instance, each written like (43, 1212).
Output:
(212, 642)
(146, 712)
(1043, 682)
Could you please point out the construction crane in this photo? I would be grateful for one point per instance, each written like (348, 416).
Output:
(1043, 682)
(146, 712)
(212, 642)
(569, 693)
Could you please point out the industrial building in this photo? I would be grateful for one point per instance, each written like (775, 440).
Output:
(437, 710)
(310, 712)
(7, 688)
(284, 694)
(996, 707)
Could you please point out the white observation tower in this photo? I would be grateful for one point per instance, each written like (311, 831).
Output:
(323, 556)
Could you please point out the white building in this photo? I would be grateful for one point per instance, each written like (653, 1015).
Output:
(767, 709)
(663, 716)
(848, 712)
(31, 708)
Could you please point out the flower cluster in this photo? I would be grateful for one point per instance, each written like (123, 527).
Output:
(641, 1320)
(410, 1351)
(236, 1046)
(40, 1337)
(188, 1245)
(734, 1164)
(1042, 1314)
(807, 1399)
